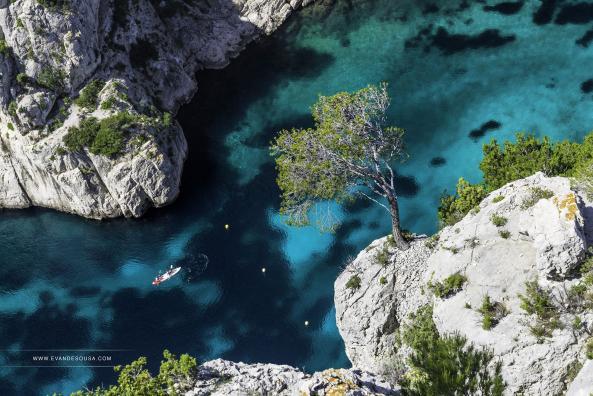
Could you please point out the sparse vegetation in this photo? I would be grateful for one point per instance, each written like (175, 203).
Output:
(382, 280)
(504, 234)
(382, 256)
(354, 282)
(498, 220)
(589, 348)
(432, 242)
(538, 302)
(452, 249)
(535, 195)
(449, 286)
(492, 312)
(447, 365)
(497, 199)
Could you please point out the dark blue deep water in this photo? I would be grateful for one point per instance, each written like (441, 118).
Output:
(460, 74)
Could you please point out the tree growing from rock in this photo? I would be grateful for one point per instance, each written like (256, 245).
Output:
(348, 154)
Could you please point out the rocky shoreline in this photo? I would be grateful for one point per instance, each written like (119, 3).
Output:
(143, 56)
(545, 237)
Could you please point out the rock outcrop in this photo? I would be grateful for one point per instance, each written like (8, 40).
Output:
(145, 55)
(533, 230)
(224, 378)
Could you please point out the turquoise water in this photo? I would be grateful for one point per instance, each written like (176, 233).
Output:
(69, 283)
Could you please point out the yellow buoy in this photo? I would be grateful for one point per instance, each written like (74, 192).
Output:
(226, 226)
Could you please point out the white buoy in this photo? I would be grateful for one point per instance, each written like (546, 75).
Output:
(306, 323)
(263, 270)
(226, 226)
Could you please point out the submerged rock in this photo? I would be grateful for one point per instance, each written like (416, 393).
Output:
(534, 229)
(147, 53)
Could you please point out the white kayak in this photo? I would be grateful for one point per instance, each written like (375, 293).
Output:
(166, 276)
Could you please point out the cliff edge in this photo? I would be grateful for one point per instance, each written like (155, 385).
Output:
(525, 247)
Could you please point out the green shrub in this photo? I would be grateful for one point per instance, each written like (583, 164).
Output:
(382, 280)
(492, 312)
(354, 282)
(515, 160)
(105, 137)
(166, 120)
(447, 365)
(524, 157)
(52, 79)
(539, 302)
(535, 194)
(89, 95)
(10, 126)
(108, 103)
(498, 220)
(382, 256)
(589, 348)
(454, 208)
(12, 108)
(82, 136)
(505, 234)
(175, 377)
(55, 5)
(572, 370)
(450, 286)
(22, 78)
(497, 199)
(4, 48)
(432, 242)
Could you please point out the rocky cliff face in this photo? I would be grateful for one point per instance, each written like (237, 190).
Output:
(136, 58)
(223, 378)
(532, 230)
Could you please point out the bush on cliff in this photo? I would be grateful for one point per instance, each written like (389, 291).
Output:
(175, 377)
(446, 365)
(89, 95)
(516, 160)
(105, 137)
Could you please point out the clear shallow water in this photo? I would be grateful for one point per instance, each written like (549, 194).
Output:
(66, 282)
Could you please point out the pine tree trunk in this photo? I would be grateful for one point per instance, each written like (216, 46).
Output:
(398, 238)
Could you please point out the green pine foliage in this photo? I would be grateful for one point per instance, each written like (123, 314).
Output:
(105, 137)
(447, 365)
(511, 161)
(453, 208)
(89, 95)
(354, 282)
(449, 286)
(175, 377)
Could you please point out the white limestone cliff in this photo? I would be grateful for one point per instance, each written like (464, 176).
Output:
(545, 240)
(148, 53)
